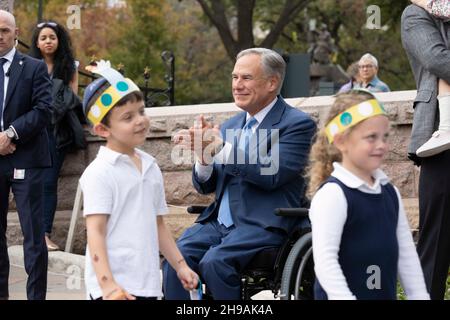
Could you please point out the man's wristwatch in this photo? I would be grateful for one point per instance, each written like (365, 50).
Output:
(10, 133)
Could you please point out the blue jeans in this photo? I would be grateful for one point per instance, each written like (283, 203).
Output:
(51, 176)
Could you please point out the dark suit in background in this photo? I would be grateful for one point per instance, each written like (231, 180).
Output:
(27, 109)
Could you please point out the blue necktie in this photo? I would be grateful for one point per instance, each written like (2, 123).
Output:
(2, 86)
(224, 216)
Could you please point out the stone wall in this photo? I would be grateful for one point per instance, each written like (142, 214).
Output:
(179, 191)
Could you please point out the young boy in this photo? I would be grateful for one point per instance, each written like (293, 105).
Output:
(124, 198)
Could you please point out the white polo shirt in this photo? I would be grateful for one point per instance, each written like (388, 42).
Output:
(113, 185)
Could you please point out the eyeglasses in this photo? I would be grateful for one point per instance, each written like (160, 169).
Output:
(367, 66)
(48, 23)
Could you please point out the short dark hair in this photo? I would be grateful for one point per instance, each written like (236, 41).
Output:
(135, 96)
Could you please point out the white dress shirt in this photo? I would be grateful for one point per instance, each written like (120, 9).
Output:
(9, 58)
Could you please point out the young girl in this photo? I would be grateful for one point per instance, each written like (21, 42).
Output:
(361, 237)
(51, 42)
(440, 141)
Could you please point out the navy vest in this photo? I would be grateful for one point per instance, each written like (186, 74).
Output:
(369, 246)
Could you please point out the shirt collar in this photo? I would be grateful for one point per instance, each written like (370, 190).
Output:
(374, 81)
(262, 113)
(10, 55)
(354, 182)
(112, 156)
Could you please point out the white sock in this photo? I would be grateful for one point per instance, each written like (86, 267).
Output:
(444, 112)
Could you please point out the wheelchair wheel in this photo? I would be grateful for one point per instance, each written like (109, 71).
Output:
(297, 281)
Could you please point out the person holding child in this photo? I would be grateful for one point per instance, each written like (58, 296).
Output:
(440, 140)
(360, 234)
(426, 40)
(124, 200)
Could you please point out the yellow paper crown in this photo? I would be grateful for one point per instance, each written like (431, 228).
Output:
(120, 87)
(353, 116)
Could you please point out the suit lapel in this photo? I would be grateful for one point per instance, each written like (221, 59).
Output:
(272, 118)
(15, 72)
(274, 115)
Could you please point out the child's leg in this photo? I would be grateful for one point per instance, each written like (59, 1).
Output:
(444, 87)
(440, 141)
(444, 105)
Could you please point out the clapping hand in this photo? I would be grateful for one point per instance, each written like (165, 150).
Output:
(203, 139)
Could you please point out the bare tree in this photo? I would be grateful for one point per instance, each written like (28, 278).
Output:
(215, 10)
(7, 5)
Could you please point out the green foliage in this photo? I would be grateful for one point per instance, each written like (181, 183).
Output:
(346, 22)
(142, 37)
(135, 35)
(202, 68)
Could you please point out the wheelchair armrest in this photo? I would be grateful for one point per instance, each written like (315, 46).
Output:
(195, 209)
(292, 212)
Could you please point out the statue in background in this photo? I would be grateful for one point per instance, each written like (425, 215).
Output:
(322, 69)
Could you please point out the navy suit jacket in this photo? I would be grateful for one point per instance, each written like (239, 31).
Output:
(28, 106)
(252, 195)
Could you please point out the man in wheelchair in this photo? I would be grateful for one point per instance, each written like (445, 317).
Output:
(253, 164)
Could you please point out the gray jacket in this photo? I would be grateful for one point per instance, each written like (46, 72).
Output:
(426, 42)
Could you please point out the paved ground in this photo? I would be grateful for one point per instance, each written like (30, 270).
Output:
(60, 286)
(64, 286)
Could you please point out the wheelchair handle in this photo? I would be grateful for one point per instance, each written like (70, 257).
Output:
(195, 209)
(292, 212)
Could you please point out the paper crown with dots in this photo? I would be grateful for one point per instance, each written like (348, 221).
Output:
(119, 88)
(352, 116)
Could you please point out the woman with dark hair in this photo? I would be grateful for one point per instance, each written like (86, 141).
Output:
(51, 42)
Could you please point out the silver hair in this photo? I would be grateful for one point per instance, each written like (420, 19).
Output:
(272, 63)
(370, 57)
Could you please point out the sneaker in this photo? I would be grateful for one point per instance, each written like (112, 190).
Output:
(439, 141)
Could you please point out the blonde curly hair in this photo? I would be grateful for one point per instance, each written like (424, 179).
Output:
(323, 153)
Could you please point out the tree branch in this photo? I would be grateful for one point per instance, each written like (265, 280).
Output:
(216, 14)
(290, 10)
(245, 23)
